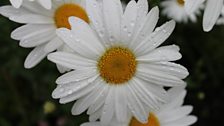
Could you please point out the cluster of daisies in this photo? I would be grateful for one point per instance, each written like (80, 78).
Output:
(110, 56)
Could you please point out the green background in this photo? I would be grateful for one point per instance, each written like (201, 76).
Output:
(24, 92)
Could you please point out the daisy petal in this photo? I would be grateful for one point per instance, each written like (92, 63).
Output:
(192, 5)
(45, 3)
(77, 44)
(82, 104)
(95, 116)
(76, 75)
(211, 14)
(16, 3)
(108, 109)
(30, 30)
(128, 22)
(32, 19)
(121, 104)
(71, 61)
(112, 11)
(35, 57)
(9, 11)
(168, 68)
(147, 26)
(165, 53)
(80, 93)
(136, 107)
(37, 39)
(53, 44)
(155, 39)
(95, 13)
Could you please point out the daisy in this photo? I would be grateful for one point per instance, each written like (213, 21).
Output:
(212, 12)
(41, 24)
(117, 65)
(44, 3)
(175, 9)
(171, 114)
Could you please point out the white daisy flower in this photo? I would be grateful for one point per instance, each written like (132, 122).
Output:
(41, 24)
(175, 9)
(44, 3)
(117, 65)
(171, 114)
(212, 11)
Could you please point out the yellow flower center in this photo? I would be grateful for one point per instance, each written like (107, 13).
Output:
(65, 11)
(117, 65)
(152, 121)
(180, 2)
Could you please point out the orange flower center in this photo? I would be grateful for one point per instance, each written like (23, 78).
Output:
(117, 65)
(153, 121)
(180, 2)
(65, 11)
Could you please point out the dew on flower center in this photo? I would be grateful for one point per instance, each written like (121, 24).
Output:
(65, 11)
(152, 121)
(180, 2)
(117, 65)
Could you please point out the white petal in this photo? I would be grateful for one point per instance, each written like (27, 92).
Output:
(159, 78)
(33, 40)
(16, 3)
(76, 75)
(121, 104)
(156, 38)
(146, 27)
(62, 69)
(186, 121)
(108, 109)
(9, 11)
(99, 100)
(192, 5)
(95, 14)
(71, 61)
(112, 11)
(53, 44)
(164, 53)
(35, 56)
(136, 107)
(82, 104)
(149, 94)
(80, 93)
(45, 3)
(95, 116)
(30, 30)
(168, 68)
(211, 14)
(176, 114)
(80, 28)
(128, 22)
(83, 48)
(32, 19)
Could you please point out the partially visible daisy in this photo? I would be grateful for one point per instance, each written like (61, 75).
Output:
(118, 65)
(41, 24)
(211, 14)
(44, 3)
(173, 113)
(175, 9)
(220, 20)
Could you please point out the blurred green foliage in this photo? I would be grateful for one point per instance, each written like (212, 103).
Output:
(23, 93)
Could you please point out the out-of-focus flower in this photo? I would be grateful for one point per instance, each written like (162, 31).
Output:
(175, 9)
(49, 107)
(44, 3)
(173, 113)
(41, 24)
(118, 66)
(211, 14)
